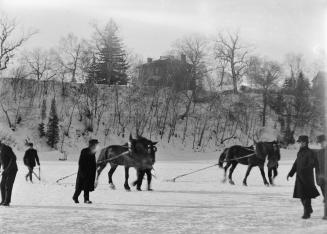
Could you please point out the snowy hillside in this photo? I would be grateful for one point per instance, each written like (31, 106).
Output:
(110, 114)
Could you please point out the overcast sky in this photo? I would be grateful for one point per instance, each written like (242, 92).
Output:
(274, 27)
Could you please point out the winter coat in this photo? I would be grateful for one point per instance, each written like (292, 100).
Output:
(31, 157)
(320, 171)
(303, 167)
(86, 170)
(7, 160)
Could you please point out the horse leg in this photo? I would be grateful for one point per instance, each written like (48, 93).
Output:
(231, 170)
(126, 186)
(225, 171)
(110, 173)
(263, 175)
(99, 170)
(247, 174)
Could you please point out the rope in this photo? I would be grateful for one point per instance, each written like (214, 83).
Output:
(192, 172)
(106, 160)
(233, 159)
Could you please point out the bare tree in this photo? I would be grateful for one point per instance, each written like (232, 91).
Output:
(38, 62)
(9, 43)
(265, 75)
(195, 48)
(295, 64)
(229, 50)
(69, 54)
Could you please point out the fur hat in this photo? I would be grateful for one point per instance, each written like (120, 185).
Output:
(303, 138)
(93, 142)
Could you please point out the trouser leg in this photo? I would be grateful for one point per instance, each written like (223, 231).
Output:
(306, 202)
(275, 172)
(86, 195)
(77, 193)
(140, 179)
(8, 187)
(149, 178)
(270, 170)
(30, 171)
(3, 188)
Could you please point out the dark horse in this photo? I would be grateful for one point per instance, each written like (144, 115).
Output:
(250, 156)
(152, 149)
(133, 154)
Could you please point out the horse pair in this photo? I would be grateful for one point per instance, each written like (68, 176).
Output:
(138, 153)
(251, 156)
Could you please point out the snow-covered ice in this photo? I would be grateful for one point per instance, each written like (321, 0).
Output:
(198, 203)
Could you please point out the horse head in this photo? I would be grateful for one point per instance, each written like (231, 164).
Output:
(145, 149)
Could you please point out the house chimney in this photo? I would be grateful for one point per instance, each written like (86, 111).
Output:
(183, 58)
(149, 60)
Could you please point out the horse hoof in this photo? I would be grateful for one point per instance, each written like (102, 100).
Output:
(231, 182)
(245, 184)
(138, 189)
(127, 188)
(112, 186)
(267, 184)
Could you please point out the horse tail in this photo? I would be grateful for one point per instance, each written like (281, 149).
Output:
(222, 157)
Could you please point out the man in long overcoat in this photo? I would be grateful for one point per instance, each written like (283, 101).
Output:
(9, 165)
(303, 166)
(30, 160)
(86, 172)
(320, 176)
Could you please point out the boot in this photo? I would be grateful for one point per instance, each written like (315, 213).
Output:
(306, 216)
(75, 200)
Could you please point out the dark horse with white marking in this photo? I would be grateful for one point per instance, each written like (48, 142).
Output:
(133, 154)
(250, 156)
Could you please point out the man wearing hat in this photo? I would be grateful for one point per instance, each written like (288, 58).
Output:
(303, 166)
(9, 166)
(30, 160)
(320, 174)
(86, 172)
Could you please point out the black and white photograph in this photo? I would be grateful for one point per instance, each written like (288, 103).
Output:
(163, 116)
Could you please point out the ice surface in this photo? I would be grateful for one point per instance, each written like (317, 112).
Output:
(198, 203)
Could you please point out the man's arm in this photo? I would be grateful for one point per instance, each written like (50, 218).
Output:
(37, 158)
(293, 170)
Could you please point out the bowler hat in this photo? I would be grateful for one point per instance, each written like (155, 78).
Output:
(93, 142)
(303, 138)
(321, 138)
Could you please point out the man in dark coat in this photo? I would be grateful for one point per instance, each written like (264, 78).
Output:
(86, 172)
(30, 160)
(303, 166)
(320, 173)
(9, 165)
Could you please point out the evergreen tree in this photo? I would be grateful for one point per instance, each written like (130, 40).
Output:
(112, 59)
(293, 106)
(43, 116)
(53, 125)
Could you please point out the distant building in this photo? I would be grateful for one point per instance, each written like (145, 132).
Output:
(167, 71)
